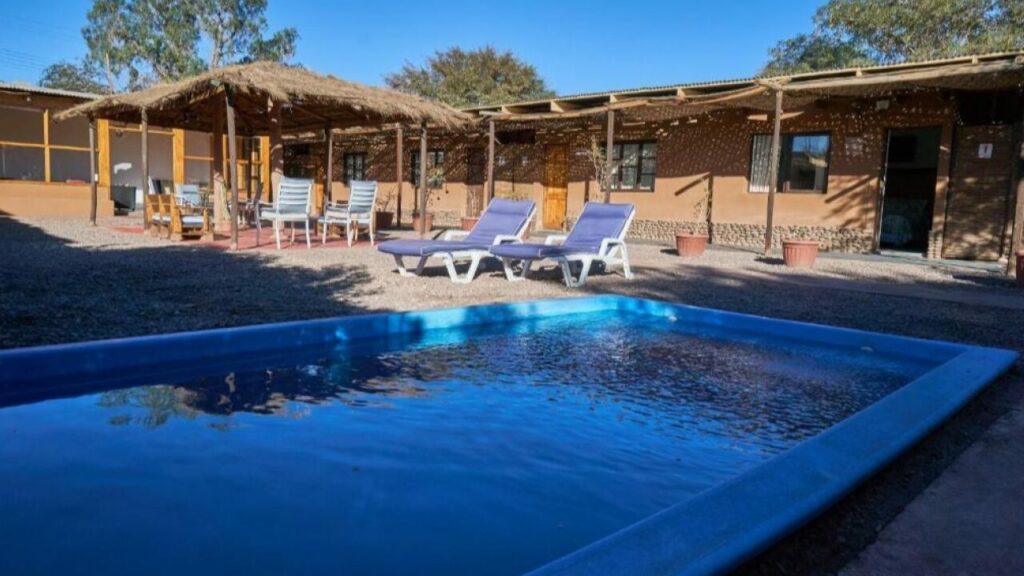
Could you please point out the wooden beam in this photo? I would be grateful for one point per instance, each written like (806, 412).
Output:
(178, 156)
(1017, 238)
(217, 165)
(92, 171)
(144, 127)
(46, 145)
(267, 194)
(329, 167)
(399, 162)
(276, 146)
(490, 160)
(423, 180)
(103, 152)
(608, 157)
(773, 174)
(229, 108)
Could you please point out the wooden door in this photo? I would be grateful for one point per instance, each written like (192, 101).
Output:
(556, 186)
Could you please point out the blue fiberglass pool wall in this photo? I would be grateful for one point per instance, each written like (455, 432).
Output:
(709, 533)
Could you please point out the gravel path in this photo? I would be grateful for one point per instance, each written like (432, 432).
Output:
(62, 280)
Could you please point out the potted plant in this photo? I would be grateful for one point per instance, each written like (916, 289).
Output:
(690, 244)
(385, 216)
(799, 253)
(435, 183)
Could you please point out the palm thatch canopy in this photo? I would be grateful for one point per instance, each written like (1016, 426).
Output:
(309, 101)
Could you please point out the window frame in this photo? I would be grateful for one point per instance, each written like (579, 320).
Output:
(786, 152)
(44, 145)
(636, 187)
(434, 154)
(350, 158)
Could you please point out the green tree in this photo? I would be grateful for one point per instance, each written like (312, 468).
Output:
(858, 32)
(464, 78)
(138, 42)
(66, 75)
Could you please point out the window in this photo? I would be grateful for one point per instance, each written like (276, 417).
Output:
(803, 165)
(355, 166)
(34, 147)
(435, 169)
(637, 164)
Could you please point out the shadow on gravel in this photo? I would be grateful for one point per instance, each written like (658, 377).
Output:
(54, 291)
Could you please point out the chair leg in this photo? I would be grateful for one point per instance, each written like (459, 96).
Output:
(309, 240)
(403, 271)
(348, 232)
(474, 263)
(323, 237)
(570, 282)
(510, 272)
(627, 271)
(277, 233)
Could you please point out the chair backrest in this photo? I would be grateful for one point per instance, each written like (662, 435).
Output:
(362, 196)
(187, 194)
(502, 217)
(597, 222)
(293, 196)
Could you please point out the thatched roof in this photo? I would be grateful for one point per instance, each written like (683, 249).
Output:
(311, 101)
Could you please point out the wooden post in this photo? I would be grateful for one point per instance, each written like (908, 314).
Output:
(1017, 237)
(145, 163)
(329, 168)
(490, 160)
(178, 156)
(103, 153)
(217, 149)
(773, 174)
(92, 171)
(229, 107)
(609, 157)
(423, 179)
(46, 145)
(399, 161)
(276, 147)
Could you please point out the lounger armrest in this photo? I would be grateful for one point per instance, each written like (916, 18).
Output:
(506, 239)
(608, 243)
(556, 239)
(455, 235)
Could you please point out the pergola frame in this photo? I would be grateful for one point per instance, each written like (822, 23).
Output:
(264, 99)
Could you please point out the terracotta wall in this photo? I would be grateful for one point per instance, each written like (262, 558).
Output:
(19, 198)
(980, 195)
(710, 154)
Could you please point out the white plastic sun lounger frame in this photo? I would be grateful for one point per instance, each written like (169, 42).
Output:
(474, 256)
(613, 251)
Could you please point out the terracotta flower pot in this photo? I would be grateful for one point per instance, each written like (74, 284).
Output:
(799, 253)
(1020, 269)
(423, 225)
(469, 222)
(384, 219)
(690, 245)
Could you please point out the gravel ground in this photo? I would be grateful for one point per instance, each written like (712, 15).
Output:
(62, 280)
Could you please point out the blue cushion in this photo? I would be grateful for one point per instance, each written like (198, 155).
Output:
(427, 247)
(502, 217)
(597, 222)
(192, 220)
(534, 251)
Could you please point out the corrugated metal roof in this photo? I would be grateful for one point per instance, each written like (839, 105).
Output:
(32, 89)
(879, 68)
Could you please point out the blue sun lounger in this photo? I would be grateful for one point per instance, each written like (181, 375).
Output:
(598, 236)
(502, 221)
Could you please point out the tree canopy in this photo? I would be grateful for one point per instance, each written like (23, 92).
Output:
(79, 77)
(465, 78)
(860, 32)
(133, 43)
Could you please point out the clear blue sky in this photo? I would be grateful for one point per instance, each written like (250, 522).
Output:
(577, 46)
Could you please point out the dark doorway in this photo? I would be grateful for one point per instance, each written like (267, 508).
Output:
(908, 191)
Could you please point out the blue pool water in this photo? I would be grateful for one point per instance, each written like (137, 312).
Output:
(489, 450)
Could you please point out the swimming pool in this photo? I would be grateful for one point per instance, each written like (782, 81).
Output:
(577, 436)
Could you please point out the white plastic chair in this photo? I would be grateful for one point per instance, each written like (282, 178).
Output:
(291, 204)
(362, 202)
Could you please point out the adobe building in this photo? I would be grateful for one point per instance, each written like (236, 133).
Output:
(921, 157)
